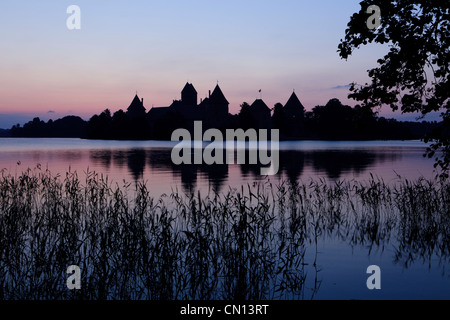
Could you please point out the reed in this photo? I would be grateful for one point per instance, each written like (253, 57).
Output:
(252, 243)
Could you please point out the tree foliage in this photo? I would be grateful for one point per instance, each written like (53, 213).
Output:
(414, 76)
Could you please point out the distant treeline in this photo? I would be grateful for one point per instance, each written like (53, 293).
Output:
(336, 121)
(333, 121)
(5, 133)
(67, 127)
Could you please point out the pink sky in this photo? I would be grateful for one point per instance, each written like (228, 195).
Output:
(154, 48)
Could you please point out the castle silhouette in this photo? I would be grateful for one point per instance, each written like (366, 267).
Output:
(213, 111)
(332, 121)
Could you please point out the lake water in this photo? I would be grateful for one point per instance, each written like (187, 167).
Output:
(341, 265)
(150, 161)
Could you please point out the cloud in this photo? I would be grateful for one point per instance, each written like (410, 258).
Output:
(340, 87)
(51, 111)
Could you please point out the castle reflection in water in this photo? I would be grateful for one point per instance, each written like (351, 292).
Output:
(331, 164)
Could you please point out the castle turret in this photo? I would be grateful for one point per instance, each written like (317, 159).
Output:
(218, 102)
(136, 108)
(294, 107)
(294, 114)
(217, 109)
(189, 95)
(261, 114)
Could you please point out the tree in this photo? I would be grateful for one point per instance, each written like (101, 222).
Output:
(246, 119)
(414, 76)
(100, 126)
(334, 120)
(121, 125)
(278, 117)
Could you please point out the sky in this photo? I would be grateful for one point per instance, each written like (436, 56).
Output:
(155, 47)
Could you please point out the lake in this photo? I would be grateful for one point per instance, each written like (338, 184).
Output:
(335, 265)
(151, 161)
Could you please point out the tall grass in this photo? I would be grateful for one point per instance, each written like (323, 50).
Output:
(247, 243)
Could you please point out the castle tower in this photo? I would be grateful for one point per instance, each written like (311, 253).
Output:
(217, 109)
(136, 108)
(294, 107)
(261, 114)
(294, 114)
(189, 95)
(218, 103)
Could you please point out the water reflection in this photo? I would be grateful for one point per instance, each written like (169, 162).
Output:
(102, 157)
(335, 163)
(277, 243)
(136, 163)
(332, 164)
(217, 174)
(249, 246)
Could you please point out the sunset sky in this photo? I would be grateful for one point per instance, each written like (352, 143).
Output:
(155, 47)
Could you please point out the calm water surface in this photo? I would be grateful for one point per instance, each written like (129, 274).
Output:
(341, 267)
(151, 161)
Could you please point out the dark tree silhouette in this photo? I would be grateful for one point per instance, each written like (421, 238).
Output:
(334, 119)
(5, 133)
(121, 125)
(278, 119)
(168, 124)
(415, 75)
(100, 126)
(246, 120)
(67, 127)
(365, 122)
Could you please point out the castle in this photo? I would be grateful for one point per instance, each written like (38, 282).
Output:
(213, 111)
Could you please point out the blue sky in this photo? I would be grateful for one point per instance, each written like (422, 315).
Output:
(155, 47)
